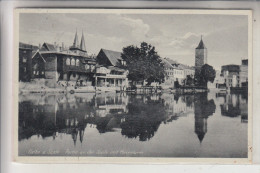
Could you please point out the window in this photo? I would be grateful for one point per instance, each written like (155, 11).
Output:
(24, 69)
(87, 67)
(77, 62)
(24, 60)
(67, 61)
(34, 72)
(72, 61)
(42, 72)
(92, 67)
(123, 62)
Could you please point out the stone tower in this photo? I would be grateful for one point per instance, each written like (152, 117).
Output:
(200, 55)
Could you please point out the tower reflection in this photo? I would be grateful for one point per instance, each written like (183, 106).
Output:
(203, 108)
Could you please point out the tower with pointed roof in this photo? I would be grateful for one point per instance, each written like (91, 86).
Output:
(76, 41)
(82, 43)
(200, 55)
(80, 49)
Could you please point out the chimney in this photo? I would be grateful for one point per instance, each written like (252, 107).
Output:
(62, 46)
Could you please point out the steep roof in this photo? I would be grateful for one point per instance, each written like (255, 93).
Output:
(166, 63)
(183, 66)
(177, 65)
(201, 45)
(113, 56)
(174, 64)
(172, 61)
(76, 41)
(47, 47)
(82, 43)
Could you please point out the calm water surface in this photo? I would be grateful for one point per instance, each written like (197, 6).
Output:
(109, 124)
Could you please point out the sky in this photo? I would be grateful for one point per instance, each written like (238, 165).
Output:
(174, 36)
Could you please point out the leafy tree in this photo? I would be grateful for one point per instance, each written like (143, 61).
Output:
(143, 63)
(189, 80)
(204, 75)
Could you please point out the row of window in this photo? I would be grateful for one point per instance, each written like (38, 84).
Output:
(72, 61)
(35, 72)
(166, 68)
(175, 72)
(89, 67)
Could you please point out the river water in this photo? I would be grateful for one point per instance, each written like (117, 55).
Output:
(114, 124)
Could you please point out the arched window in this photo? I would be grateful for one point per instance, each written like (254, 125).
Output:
(67, 61)
(72, 61)
(77, 62)
(87, 67)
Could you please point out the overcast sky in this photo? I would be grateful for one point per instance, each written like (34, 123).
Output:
(174, 35)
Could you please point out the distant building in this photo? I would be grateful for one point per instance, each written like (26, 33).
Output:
(169, 77)
(56, 64)
(25, 61)
(200, 55)
(243, 74)
(219, 82)
(231, 75)
(176, 72)
(188, 70)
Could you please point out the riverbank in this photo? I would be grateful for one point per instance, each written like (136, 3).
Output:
(36, 87)
(39, 87)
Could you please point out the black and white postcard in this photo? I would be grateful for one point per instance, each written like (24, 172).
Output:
(132, 86)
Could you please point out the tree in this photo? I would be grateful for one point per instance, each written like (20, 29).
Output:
(204, 75)
(143, 63)
(189, 80)
(176, 84)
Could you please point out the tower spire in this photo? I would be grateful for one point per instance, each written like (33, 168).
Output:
(76, 41)
(82, 42)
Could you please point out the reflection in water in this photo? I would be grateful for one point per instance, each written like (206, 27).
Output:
(235, 105)
(136, 117)
(203, 109)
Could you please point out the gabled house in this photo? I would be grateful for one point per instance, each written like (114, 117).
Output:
(109, 72)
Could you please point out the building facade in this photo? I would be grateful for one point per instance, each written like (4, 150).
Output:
(25, 61)
(219, 82)
(243, 74)
(70, 67)
(231, 75)
(176, 72)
